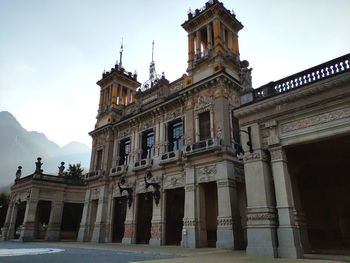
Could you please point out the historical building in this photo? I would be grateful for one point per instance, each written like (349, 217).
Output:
(168, 165)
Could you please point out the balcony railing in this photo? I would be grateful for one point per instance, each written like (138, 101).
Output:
(94, 174)
(201, 146)
(170, 157)
(119, 170)
(142, 164)
(318, 73)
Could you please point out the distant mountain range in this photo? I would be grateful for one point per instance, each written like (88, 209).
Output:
(21, 147)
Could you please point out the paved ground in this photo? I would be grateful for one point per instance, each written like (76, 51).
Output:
(91, 252)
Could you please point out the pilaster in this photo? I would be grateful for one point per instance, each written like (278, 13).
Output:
(99, 232)
(129, 225)
(288, 234)
(229, 231)
(190, 224)
(54, 227)
(83, 229)
(8, 230)
(27, 232)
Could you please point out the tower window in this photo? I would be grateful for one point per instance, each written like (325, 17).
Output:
(124, 152)
(175, 135)
(147, 144)
(204, 125)
(99, 160)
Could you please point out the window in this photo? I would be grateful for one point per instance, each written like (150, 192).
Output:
(99, 160)
(175, 135)
(147, 144)
(204, 125)
(124, 151)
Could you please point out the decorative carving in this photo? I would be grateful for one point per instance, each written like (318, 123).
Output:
(189, 222)
(206, 173)
(173, 114)
(277, 154)
(261, 216)
(204, 104)
(95, 193)
(225, 222)
(147, 124)
(189, 188)
(315, 120)
(174, 181)
(125, 132)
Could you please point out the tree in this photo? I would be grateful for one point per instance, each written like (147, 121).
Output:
(4, 202)
(75, 171)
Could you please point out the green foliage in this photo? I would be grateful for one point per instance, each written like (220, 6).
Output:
(4, 201)
(75, 171)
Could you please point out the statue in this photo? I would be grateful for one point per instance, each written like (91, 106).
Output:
(38, 165)
(19, 173)
(61, 169)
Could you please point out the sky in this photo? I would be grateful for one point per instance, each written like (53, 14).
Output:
(52, 52)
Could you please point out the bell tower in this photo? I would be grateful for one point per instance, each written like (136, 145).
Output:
(117, 90)
(212, 42)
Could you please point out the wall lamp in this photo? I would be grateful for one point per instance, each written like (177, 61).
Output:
(128, 189)
(239, 148)
(156, 187)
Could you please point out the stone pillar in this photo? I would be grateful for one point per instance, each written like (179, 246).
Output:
(222, 119)
(229, 231)
(53, 232)
(198, 43)
(129, 225)
(120, 94)
(230, 40)
(157, 223)
(190, 50)
(235, 48)
(114, 95)
(289, 242)
(209, 36)
(8, 231)
(28, 229)
(196, 123)
(261, 211)
(217, 35)
(190, 224)
(128, 96)
(99, 232)
(163, 140)
(109, 217)
(83, 229)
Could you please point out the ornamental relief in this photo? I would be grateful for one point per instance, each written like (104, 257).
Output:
(204, 103)
(95, 193)
(315, 120)
(172, 115)
(124, 133)
(147, 124)
(206, 174)
(174, 181)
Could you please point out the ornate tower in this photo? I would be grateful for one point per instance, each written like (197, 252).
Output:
(118, 89)
(212, 42)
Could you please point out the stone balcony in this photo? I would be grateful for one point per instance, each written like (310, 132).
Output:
(169, 157)
(118, 170)
(210, 144)
(142, 164)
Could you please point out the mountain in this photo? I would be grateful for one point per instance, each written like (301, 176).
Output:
(21, 147)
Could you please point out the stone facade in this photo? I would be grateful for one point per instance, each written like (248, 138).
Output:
(167, 163)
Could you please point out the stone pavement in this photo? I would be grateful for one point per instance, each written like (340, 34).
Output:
(200, 255)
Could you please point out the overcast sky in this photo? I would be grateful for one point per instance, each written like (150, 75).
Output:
(52, 52)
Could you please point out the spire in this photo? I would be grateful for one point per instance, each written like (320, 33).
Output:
(121, 54)
(153, 77)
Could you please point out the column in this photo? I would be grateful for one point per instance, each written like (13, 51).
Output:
(217, 35)
(261, 211)
(157, 138)
(99, 232)
(109, 217)
(54, 227)
(198, 44)
(212, 123)
(289, 242)
(235, 48)
(190, 224)
(230, 40)
(190, 50)
(8, 231)
(129, 225)
(128, 96)
(114, 95)
(120, 94)
(229, 231)
(196, 123)
(28, 229)
(84, 223)
(209, 36)
(157, 223)
(163, 140)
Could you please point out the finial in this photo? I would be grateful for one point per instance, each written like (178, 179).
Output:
(121, 54)
(152, 49)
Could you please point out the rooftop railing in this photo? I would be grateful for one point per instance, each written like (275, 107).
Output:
(318, 73)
